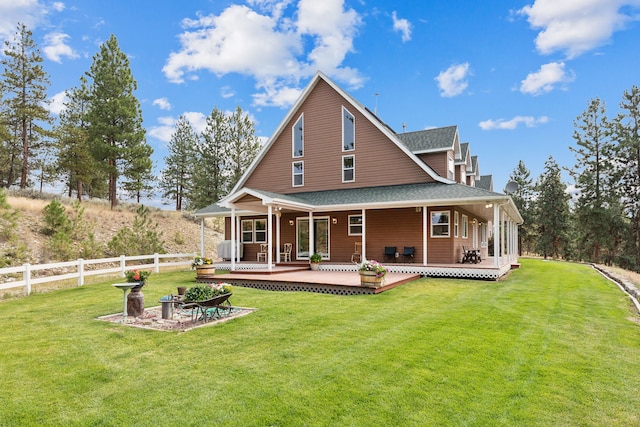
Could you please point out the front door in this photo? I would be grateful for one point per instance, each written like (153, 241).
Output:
(320, 237)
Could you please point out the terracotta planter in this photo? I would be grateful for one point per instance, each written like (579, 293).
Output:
(369, 279)
(205, 271)
(314, 266)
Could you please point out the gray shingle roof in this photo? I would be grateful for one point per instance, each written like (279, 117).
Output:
(429, 140)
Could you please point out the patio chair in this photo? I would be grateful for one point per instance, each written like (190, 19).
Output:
(356, 256)
(390, 251)
(285, 256)
(262, 255)
(408, 253)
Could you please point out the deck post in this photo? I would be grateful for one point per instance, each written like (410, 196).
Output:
(363, 256)
(233, 239)
(278, 217)
(425, 234)
(311, 235)
(270, 237)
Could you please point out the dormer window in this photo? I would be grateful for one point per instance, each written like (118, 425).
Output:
(298, 138)
(348, 130)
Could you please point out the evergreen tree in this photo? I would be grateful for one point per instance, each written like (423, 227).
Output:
(523, 198)
(75, 160)
(25, 84)
(593, 175)
(552, 212)
(626, 129)
(140, 181)
(115, 119)
(210, 178)
(243, 146)
(179, 164)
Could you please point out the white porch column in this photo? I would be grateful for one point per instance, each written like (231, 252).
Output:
(270, 238)
(503, 237)
(311, 234)
(496, 235)
(425, 234)
(364, 235)
(233, 239)
(202, 237)
(278, 218)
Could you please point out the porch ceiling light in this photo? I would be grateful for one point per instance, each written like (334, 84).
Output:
(334, 220)
(488, 205)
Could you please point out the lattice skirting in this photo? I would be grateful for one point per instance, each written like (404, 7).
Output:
(302, 287)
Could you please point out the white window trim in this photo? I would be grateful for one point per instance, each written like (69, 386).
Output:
(255, 231)
(293, 173)
(345, 169)
(356, 225)
(465, 226)
(344, 110)
(456, 223)
(451, 172)
(293, 137)
(448, 235)
(242, 231)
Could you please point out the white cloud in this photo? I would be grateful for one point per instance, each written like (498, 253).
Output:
(453, 80)
(162, 103)
(227, 92)
(546, 79)
(58, 6)
(56, 47)
(265, 45)
(577, 26)
(403, 26)
(56, 103)
(28, 12)
(166, 125)
(502, 124)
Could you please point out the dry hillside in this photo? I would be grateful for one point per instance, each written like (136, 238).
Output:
(179, 232)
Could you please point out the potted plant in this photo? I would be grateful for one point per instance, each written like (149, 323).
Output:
(206, 292)
(372, 273)
(204, 267)
(314, 261)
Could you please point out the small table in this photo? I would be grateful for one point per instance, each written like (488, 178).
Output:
(125, 287)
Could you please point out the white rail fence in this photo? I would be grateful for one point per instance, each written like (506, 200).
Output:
(81, 268)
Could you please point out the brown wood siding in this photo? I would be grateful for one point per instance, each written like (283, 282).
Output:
(377, 160)
(437, 162)
(440, 249)
(393, 227)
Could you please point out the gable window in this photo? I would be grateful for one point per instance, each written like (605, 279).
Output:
(456, 221)
(298, 138)
(440, 224)
(247, 230)
(355, 225)
(465, 226)
(260, 230)
(298, 174)
(348, 168)
(348, 130)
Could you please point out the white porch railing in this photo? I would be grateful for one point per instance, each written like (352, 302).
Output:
(110, 266)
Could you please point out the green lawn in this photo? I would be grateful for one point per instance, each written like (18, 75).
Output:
(553, 344)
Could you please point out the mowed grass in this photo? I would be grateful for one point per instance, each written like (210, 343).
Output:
(554, 344)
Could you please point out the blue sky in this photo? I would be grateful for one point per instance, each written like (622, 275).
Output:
(512, 75)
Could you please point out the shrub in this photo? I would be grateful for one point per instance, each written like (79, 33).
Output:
(55, 219)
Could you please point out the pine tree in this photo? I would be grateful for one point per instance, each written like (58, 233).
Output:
(626, 130)
(210, 178)
(179, 164)
(523, 198)
(593, 175)
(25, 83)
(243, 145)
(140, 181)
(75, 160)
(552, 212)
(115, 118)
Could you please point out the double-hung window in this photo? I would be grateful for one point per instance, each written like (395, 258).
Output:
(254, 230)
(440, 224)
(247, 230)
(348, 168)
(465, 226)
(355, 225)
(298, 138)
(260, 226)
(456, 222)
(297, 171)
(348, 130)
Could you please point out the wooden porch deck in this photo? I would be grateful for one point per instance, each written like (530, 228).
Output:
(343, 279)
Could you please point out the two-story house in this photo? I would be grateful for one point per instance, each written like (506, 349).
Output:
(336, 180)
